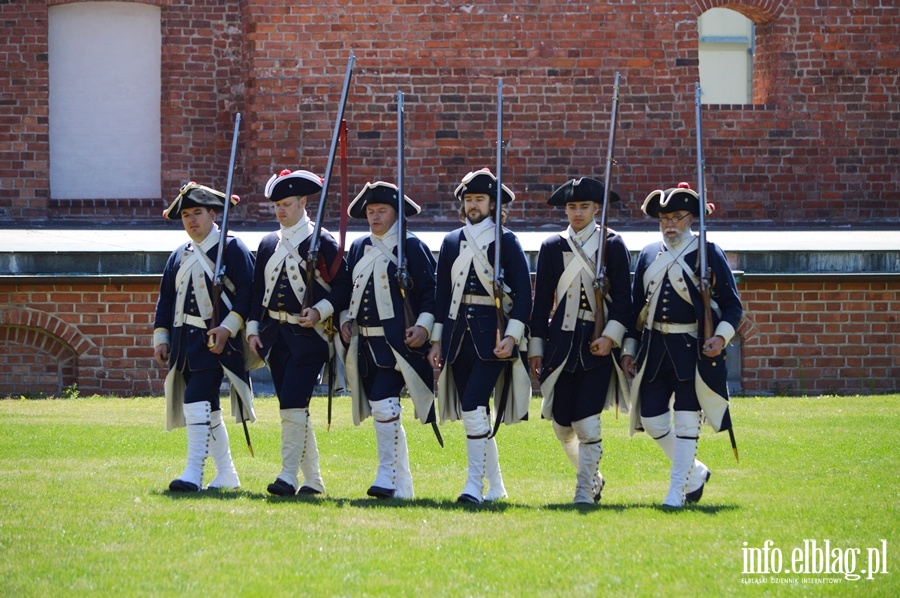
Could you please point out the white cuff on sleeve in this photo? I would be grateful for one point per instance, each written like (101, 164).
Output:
(160, 337)
(233, 322)
(535, 347)
(615, 332)
(426, 321)
(515, 329)
(325, 309)
(436, 331)
(725, 330)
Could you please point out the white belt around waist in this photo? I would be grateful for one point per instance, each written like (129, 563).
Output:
(672, 328)
(195, 321)
(371, 330)
(586, 314)
(284, 317)
(478, 300)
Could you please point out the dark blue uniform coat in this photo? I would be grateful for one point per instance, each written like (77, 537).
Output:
(559, 349)
(188, 344)
(416, 369)
(685, 350)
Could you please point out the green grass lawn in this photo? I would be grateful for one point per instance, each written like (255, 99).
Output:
(84, 508)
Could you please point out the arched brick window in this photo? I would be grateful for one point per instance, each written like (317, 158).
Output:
(738, 51)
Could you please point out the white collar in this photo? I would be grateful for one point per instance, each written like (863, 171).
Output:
(583, 235)
(211, 239)
(390, 235)
(288, 232)
(477, 229)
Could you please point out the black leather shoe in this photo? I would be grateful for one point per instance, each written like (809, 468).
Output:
(698, 493)
(598, 496)
(281, 488)
(182, 486)
(308, 490)
(468, 499)
(379, 492)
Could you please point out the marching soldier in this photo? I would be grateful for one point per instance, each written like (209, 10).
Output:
(477, 357)
(385, 352)
(579, 376)
(199, 356)
(293, 341)
(663, 354)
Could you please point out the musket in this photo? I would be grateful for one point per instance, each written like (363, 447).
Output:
(498, 220)
(334, 268)
(601, 282)
(498, 267)
(312, 259)
(404, 282)
(705, 270)
(219, 278)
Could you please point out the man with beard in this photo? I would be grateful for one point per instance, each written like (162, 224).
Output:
(292, 340)
(474, 354)
(385, 352)
(198, 355)
(666, 354)
(578, 374)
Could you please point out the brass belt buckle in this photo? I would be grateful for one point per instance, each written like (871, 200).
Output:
(282, 317)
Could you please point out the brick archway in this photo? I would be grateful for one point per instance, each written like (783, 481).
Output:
(760, 12)
(43, 354)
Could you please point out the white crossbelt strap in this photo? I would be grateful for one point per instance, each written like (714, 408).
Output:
(672, 266)
(287, 256)
(194, 264)
(578, 273)
(473, 249)
(374, 262)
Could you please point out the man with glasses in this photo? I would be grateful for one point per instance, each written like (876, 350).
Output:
(665, 353)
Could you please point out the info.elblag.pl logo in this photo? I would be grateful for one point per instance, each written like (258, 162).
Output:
(814, 558)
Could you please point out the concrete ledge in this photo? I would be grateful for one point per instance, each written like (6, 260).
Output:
(756, 254)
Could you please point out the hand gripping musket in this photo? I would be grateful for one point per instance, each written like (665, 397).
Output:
(404, 282)
(601, 282)
(219, 271)
(498, 264)
(705, 270)
(312, 259)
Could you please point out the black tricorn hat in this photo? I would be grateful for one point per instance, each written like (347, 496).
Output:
(298, 183)
(676, 199)
(193, 195)
(483, 181)
(583, 189)
(380, 192)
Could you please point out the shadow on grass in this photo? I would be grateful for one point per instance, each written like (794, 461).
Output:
(708, 509)
(448, 504)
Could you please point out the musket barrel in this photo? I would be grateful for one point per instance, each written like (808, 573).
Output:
(313, 256)
(498, 218)
(704, 274)
(401, 219)
(314, 244)
(600, 289)
(228, 186)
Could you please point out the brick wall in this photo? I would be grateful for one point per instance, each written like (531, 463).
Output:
(820, 142)
(822, 337)
(97, 336)
(813, 338)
